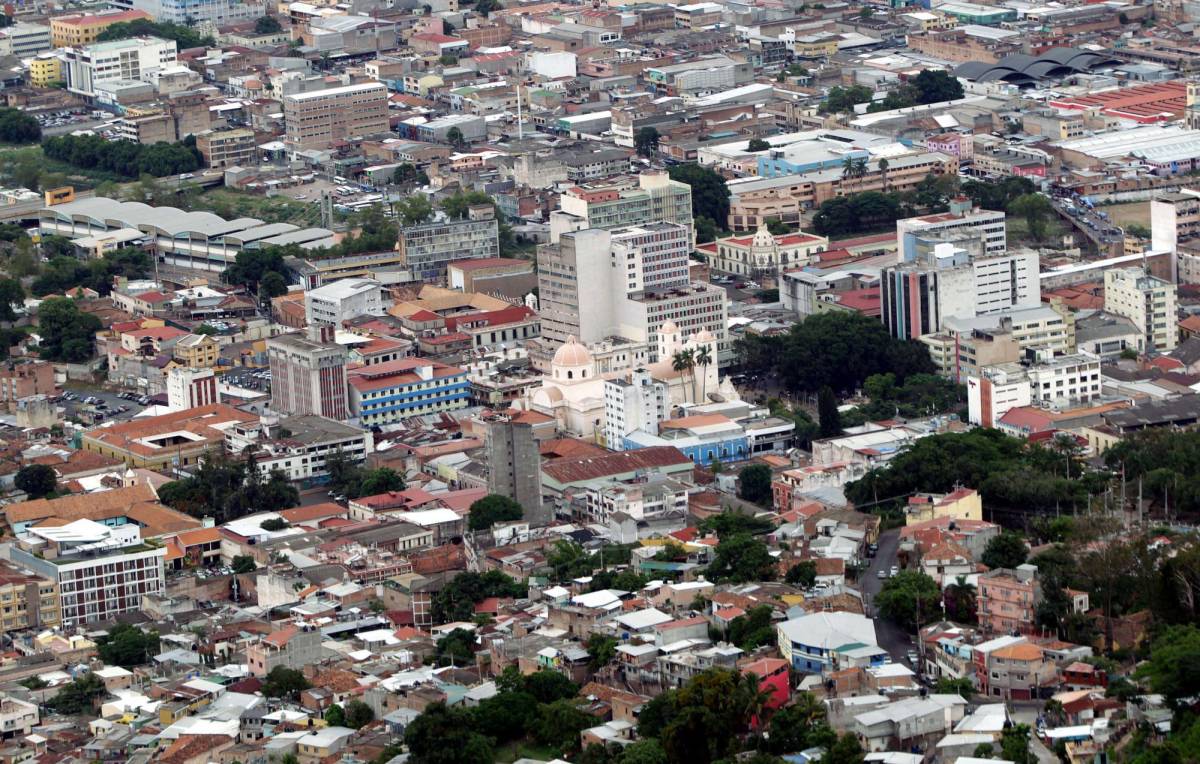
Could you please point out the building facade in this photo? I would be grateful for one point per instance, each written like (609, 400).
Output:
(1147, 301)
(135, 59)
(318, 119)
(634, 402)
(388, 392)
(654, 198)
(190, 387)
(427, 249)
(514, 463)
(308, 374)
(77, 29)
(334, 303)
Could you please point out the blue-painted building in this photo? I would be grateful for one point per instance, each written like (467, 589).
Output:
(388, 392)
(701, 438)
(817, 642)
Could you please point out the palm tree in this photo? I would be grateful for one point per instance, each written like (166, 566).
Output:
(681, 362)
(704, 359)
(883, 168)
(961, 597)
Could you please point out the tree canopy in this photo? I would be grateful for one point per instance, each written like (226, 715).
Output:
(909, 598)
(18, 127)
(1007, 550)
(754, 483)
(127, 646)
(456, 600)
(710, 195)
(184, 36)
(493, 509)
(37, 480)
(127, 159)
(226, 489)
(67, 334)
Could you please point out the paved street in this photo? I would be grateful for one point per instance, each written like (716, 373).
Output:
(892, 638)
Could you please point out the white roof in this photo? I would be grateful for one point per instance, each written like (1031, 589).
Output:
(428, 517)
(326, 736)
(361, 88)
(894, 757)
(830, 630)
(601, 599)
(890, 670)
(112, 672)
(643, 619)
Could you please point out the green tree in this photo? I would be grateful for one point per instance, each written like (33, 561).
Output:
(274, 524)
(485, 7)
(803, 574)
(777, 227)
(456, 600)
(705, 719)
(18, 127)
(244, 563)
(407, 174)
(758, 144)
(827, 413)
(706, 229)
(963, 686)
(455, 138)
(960, 601)
(936, 85)
(414, 210)
(754, 484)
(79, 696)
(647, 751)
(601, 649)
(645, 142)
(1173, 669)
(456, 649)
(67, 334)
(842, 350)
(335, 716)
(127, 646)
(847, 750)
(272, 285)
(799, 726)
(841, 99)
(559, 723)
(1014, 745)
(37, 480)
(358, 714)
(741, 558)
(1036, 210)
(492, 509)
(754, 629)
(548, 686)
(283, 682)
(441, 735)
(458, 206)
(380, 480)
(909, 598)
(267, 25)
(710, 195)
(1007, 550)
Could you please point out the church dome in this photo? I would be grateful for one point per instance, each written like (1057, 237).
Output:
(669, 327)
(763, 238)
(572, 353)
(704, 336)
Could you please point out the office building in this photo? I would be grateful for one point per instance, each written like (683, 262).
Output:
(25, 40)
(298, 446)
(101, 571)
(514, 462)
(624, 282)
(636, 401)
(189, 388)
(383, 393)
(308, 374)
(966, 345)
(321, 118)
(27, 601)
(946, 280)
(89, 66)
(702, 76)
(426, 250)
(1042, 378)
(45, 70)
(334, 303)
(1147, 301)
(623, 202)
(227, 148)
(77, 29)
(218, 13)
(960, 223)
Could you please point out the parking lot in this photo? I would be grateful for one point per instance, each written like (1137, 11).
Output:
(249, 379)
(75, 401)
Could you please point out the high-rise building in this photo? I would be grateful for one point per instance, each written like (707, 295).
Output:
(334, 303)
(308, 374)
(515, 464)
(961, 222)
(428, 249)
(30, 602)
(318, 119)
(132, 59)
(1147, 301)
(622, 202)
(634, 402)
(219, 13)
(945, 279)
(189, 388)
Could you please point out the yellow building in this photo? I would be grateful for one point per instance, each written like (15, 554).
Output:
(45, 71)
(84, 28)
(197, 351)
(814, 46)
(961, 504)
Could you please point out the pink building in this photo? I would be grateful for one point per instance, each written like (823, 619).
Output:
(954, 144)
(1007, 600)
(772, 676)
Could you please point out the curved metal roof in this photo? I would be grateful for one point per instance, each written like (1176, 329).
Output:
(1024, 69)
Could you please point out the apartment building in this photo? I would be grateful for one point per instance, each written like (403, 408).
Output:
(427, 249)
(959, 224)
(227, 148)
(632, 402)
(198, 351)
(334, 303)
(622, 202)
(321, 118)
(45, 70)
(388, 392)
(967, 345)
(308, 374)
(18, 717)
(77, 29)
(21, 380)
(1149, 302)
(101, 570)
(945, 280)
(1007, 600)
(1042, 378)
(298, 446)
(217, 13)
(27, 601)
(294, 646)
(137, 58)
(1018, 672)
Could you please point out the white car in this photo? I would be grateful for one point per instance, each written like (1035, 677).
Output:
(895, 569)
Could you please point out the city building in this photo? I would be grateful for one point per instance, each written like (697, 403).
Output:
(960, 504)
(294, 646)
(45, 70)
(308, 374)
(702, 76)
(317, 119)
(27, 601)
(101, 570)
(623, 202)
(812, 644)
(348, 298)
(634, 401)
(427, 249)
(964, 346)
(23, 379)
(227, 148)
(498, 276)
(389, 392)
(167, 441)
(1149, 302)
(945, 280)
(75, 29)
(298, 446)
(216, 13)
(762, 255)
(190, 388)
(961, 222)
(90, 66)
(514, 462)
(25, 40)
(1041, 377)
(198, 351)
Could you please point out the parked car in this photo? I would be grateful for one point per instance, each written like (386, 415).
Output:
(895, 570)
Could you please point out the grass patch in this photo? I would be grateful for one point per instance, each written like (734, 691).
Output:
(524, 749)
(230, 204)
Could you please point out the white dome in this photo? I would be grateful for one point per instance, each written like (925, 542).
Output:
(572, 353)
(704, 336)
(763, 238)
(669, 327)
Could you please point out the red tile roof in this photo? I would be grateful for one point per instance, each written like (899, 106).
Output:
(592, 467)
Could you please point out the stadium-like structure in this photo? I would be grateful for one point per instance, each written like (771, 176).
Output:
(1022, 69)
